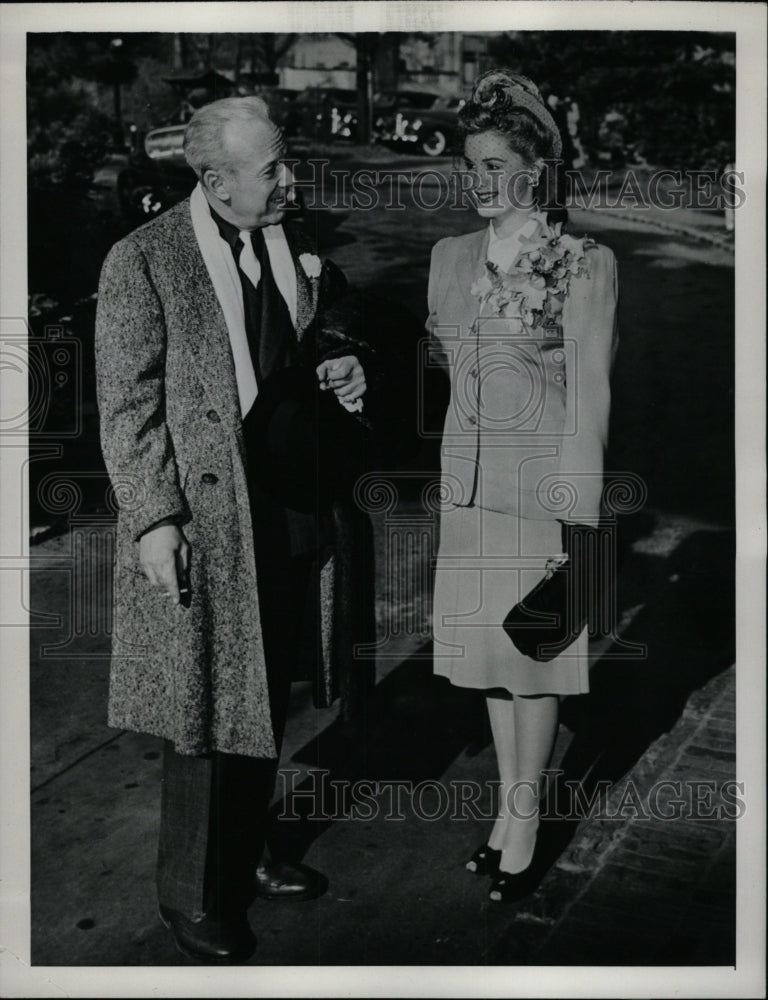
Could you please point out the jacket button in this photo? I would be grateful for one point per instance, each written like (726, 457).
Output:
(209, 478)
(213, 417)
(472, 420)
(473, 373)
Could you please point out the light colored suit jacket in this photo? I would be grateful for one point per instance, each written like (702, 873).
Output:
(527, 422)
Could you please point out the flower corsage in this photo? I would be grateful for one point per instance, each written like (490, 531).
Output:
(534, 290)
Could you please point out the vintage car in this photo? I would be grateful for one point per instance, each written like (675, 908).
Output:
(425, 123)
(331, 113)
(324, 114)
(157, 175)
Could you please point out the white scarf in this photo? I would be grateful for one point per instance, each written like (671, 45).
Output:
(221, 266)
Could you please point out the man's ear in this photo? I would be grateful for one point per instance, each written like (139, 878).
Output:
(217, 183)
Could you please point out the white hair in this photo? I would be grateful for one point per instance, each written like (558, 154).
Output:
(204, 139)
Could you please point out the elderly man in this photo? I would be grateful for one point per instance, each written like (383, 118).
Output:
(199, 311)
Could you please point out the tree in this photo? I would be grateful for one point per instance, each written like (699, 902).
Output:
(386, 69)
(267, 49)
(79, 89)
(115, 69)
(66, 132)
(366, 47)
(675, 90)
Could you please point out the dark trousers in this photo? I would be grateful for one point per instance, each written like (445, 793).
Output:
(214, 808)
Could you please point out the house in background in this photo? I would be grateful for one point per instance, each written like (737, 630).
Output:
(444, 62)
(319, 61)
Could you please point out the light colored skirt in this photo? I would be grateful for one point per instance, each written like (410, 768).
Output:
(486, 563)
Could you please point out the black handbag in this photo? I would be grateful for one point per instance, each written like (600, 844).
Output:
(555, 612)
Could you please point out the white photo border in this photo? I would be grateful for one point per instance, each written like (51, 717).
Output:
(17, 977)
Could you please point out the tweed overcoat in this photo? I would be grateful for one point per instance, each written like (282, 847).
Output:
(527, 422)
(172, 440)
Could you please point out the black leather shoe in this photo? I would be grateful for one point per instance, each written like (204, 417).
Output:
(485, 860)
(209, 939)
(282, 880)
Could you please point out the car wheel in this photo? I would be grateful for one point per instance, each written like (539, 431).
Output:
(434, 143)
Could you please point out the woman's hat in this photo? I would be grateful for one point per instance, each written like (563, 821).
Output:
(501, 89)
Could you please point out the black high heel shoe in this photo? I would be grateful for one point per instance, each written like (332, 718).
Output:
(509, 888)
(485, 860)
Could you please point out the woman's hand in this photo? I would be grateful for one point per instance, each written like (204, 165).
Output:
(345, 376)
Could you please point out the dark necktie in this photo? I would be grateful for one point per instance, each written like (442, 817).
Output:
(273, 345)
(268, 325)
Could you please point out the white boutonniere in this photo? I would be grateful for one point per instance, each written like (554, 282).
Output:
(312, 264)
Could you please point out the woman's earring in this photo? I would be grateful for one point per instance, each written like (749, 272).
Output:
(534, 192)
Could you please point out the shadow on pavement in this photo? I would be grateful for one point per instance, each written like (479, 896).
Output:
(416, 725)
(688, 628)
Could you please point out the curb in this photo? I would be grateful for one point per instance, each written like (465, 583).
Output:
(698, 236)
(600, 840)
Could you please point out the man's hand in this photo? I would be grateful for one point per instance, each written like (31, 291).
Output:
(164, 557)
(345, 376)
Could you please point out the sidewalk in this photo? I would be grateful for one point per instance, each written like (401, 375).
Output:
(623, 890)
(647, 890)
